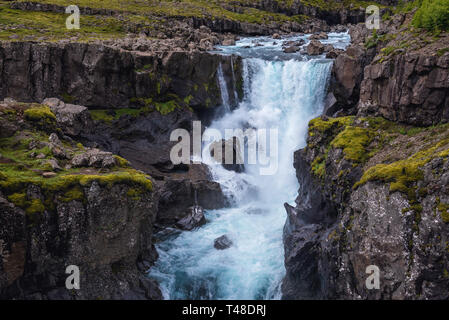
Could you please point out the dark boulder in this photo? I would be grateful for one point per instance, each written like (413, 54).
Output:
(231, 154)
(315, 48)
(194, 218)
(222, 243)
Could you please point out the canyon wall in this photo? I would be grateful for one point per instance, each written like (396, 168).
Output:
(98, 76)
(373, 179)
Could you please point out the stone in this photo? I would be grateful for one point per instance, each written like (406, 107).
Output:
(231, 146)
(228, 42)
(73, 118)
(315, 48)
(222, 243)
(291, 49)
(54, 165)
(94, 158)
(48, 174)
(194, 219)
(318, 36)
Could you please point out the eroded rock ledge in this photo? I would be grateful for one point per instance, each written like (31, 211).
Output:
(57, 211)
(102, 76)
(373, 192)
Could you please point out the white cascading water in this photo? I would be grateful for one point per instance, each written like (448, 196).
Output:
(279, 93)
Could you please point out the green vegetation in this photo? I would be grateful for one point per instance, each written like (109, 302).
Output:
(39, 113)
(111, 114)
(20, 168)
(443, 208)
(163, 108)
(363, 139)
(442, 51)
(19, 25)
(402, 175)
(143, 16)
(372, 41)
(354, 141)
(432, 15)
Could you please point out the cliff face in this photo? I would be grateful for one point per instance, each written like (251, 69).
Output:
(97, 75)
(411, 88)
(63, 204)
(372, 193)
(394, 73)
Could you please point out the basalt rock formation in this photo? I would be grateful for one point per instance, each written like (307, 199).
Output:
(56, 212)
(373, 178)
(96, 75)
(392, 74)
(365, 199)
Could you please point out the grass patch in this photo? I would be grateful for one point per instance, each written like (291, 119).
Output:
(432, 15)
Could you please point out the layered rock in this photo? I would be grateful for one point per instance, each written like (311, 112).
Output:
(98, 218)
(364, 202)
(411, 88)
(348, 72)
(97, 75)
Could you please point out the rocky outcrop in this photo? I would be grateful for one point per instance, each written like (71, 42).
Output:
(315, 48)
(222, 243)
(411, 88)
(105, 236)
(392, 74)
(228, 153)
(97, 75)
(331, 16)
(363, 202)
(178, 196)
(99, 217)
(194, 218)
(348, 72)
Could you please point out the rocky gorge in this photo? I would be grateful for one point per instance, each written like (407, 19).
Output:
(86, 177)
(373, 187)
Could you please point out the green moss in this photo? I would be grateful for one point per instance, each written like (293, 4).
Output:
(353, 141)
(443, 208)
(403, 174)
(188, 99)
(166, 107)
(75, 193)
(19, 199)
(134, 194)
(123, 163)
(441, 52)
(372, 41)
(39, 113)
(445, 274)
(322, 126)
(319, 166)
(101, 115)
(35, 206)
(67, 98)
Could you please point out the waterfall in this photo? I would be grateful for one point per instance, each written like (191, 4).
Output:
(236, 98)
(223, 89)
(280, 94)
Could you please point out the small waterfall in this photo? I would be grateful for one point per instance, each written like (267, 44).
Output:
(223, 89)
(236, 98)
